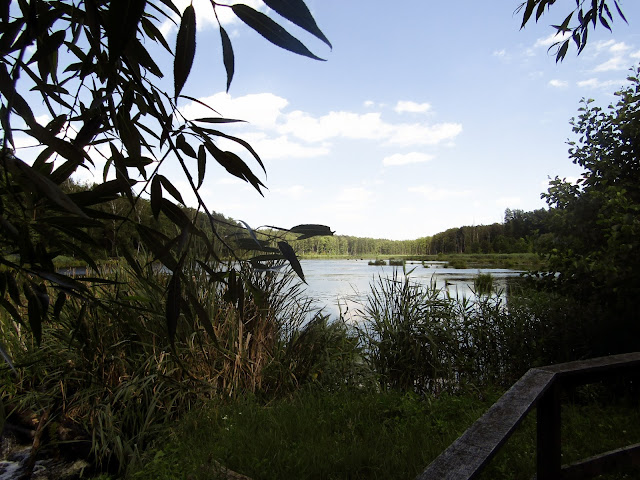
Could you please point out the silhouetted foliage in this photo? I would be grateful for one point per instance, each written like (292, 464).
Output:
(594, 249)
(92, 70)
(588, 16)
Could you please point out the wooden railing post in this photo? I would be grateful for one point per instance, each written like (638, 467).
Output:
(541, 387)
(548, 442)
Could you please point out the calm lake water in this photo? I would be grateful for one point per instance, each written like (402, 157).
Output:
(341, 284)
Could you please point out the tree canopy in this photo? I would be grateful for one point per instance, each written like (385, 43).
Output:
(595, 222)
(589, 14)
(92, 71)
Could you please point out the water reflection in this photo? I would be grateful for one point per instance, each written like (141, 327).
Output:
(344, 284)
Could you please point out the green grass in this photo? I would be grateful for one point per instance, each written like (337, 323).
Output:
(346, 434)
(483, 283)
(358, 435)
(518, 261)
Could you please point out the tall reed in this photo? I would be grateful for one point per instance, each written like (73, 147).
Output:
(420, 338)
(109, 368)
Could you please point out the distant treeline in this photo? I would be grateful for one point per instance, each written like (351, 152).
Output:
(114, 234)
(521, 232)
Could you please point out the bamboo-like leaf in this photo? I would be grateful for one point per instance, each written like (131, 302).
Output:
(528, 11)
(227, 56)
(202, 316)
(297, 12)
(129, 135)
(308, 231)
(136, 52)
(540, 10)
(63, 281)
(620, 11)
(59, 304)
(123, 19)
(202, 164)
(245, 144)
(604, 23)
(34, 314)
(268, 258)
(7, 358)
(168, 186)
(175, 214)
(562, 51)
(18, 103)
(251, 232)
(103, 192)
(247, 243)
(154, 33)
(174, 299)
(159, 245)
(45, 186)
(185, 49)
(50, 45)
(213, 275)
(271, 30)
(200, 102)
(156, 196)
(290, 255)
(217, 120)
(234, 165)
(13, 311)
(183, 145)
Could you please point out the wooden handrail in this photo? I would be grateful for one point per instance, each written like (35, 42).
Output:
(540, 387)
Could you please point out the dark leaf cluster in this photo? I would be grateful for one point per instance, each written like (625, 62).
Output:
(94, 70)
(589, 14)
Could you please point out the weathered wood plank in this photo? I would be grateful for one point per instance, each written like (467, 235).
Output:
(548, 450)
(603, 463)
(466, 457)
(595, 368)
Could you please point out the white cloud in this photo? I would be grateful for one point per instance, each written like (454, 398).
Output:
(205, 16)
(350, 204)
(423, 134)
(406, 159)
(294, 192)
(284, 134)
(43, 119)
(635, 54)
(619, 47)
(558, 83)
(230, 181)
(619, 55)
(282, 147)
(261, 109)
(352, 125)
(369, 103)
(596, 83)
(508, 202)
(551, 39)
(438, 194)
(616, 63)
(603, 45)
(412, 107)
(499, 53)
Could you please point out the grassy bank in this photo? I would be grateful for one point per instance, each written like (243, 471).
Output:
(275, 390)
(518, 261)
(365, 435)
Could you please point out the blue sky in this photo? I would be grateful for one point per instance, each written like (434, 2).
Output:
(425, 115)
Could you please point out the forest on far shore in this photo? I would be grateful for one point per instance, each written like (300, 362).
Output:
(520, 232)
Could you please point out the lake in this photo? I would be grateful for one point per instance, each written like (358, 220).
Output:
(336, 284)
